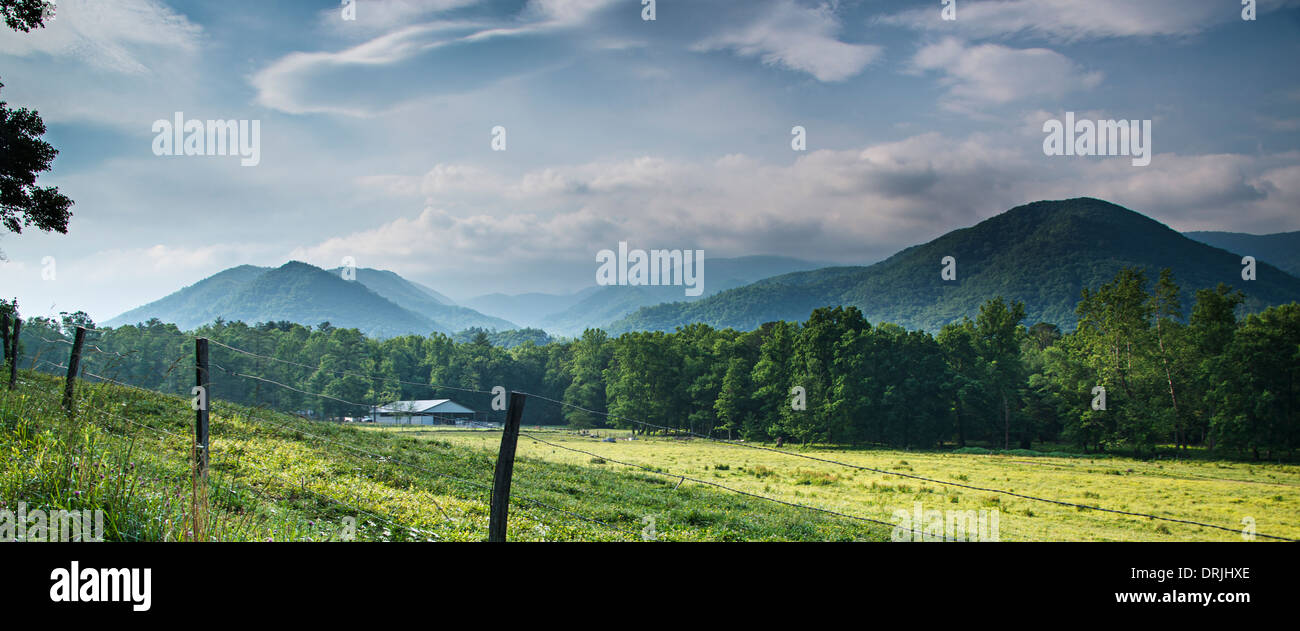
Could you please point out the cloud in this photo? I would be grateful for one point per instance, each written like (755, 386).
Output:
(853, 205)
(992, 74)
(124, 36)
(1072, 20)
(107, 282)
(325, 82)
(373, 16)
(798, 38)
(475, 228)
(109, 63)
(441, 179)
(565, 12)
(579, 180)
(848, 206)
(374, 77)
(1232, 192)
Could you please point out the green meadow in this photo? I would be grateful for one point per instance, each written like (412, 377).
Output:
(277, 477)
(1190, 488)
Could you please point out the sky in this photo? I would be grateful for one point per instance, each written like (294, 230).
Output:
(377, 133)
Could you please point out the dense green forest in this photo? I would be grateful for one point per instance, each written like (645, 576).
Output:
(1188, 377)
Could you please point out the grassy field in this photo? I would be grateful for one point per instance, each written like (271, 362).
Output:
(281, 478)
(1196, 489)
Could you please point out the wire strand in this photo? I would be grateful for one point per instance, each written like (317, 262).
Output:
(347, 372)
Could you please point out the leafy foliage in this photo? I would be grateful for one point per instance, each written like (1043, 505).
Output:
(23, 157)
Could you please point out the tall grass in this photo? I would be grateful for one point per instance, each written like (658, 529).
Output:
(277, 477)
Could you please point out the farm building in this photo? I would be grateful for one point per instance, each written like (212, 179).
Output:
(425, 412)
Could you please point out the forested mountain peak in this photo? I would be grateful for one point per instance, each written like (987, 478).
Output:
(1042, 253)
(379, 303)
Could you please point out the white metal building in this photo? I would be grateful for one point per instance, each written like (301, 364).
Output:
(424, 412)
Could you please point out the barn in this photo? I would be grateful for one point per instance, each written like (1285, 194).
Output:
(424, 412)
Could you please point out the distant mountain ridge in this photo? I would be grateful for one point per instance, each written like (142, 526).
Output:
(596, 306)
(379, 303)
(1041, 253)
(1281, 249)
(424, 301)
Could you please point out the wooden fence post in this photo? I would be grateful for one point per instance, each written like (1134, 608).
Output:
(74, 363)
(201, 413)
(500, 504)
(199, 480)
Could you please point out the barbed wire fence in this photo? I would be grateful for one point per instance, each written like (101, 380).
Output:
(510, 431)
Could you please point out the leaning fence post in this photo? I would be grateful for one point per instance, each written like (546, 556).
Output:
(500, 504)
(74, 363)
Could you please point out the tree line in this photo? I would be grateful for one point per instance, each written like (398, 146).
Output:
(1136, 373)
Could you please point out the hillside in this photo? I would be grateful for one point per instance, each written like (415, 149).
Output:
(1042, 253)
(1281, 249)
(426, 302)
(379, 303)
(195, 304)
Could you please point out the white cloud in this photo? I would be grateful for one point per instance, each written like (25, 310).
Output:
(482, 228)
(111, 281)
(796, 37)
(124, 36)
(847, 206)
(373, 16)
(333, 82)
(994, 74)
(565, 12)
(1233, 192)
(288, 83)
(109, 63)
(441, 179)
(1075, 20)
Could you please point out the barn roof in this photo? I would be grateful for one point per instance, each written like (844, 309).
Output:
(425, 406)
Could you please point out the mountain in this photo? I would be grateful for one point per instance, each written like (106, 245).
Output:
(1042, 253)
(424, 301)
(436, 295)
(1281, 249)
(606, 304)
(300, 293)
(527, 309)
(192, 306)
(598, 305)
